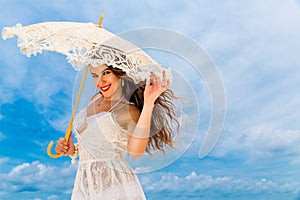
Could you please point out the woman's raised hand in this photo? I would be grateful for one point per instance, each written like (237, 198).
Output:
(155, 87)
(65, 148)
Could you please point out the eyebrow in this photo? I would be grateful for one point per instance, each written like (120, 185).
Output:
(105, 69)
(101, 71)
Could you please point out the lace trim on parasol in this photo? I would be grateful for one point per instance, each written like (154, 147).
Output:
(136, 64)
(35, 40)
(32, 45)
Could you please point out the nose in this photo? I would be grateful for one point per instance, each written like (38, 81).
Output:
(100, 81)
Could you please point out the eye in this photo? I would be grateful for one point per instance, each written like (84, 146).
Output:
(106, 72)
(94, 75)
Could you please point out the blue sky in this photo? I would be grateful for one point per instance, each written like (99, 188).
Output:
(254, 45)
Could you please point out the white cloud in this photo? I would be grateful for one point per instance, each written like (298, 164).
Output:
(142, 169)
(53, 197)
(262, 142)
(224, 185)
(36, 176)
(295, 161)
(3, 160)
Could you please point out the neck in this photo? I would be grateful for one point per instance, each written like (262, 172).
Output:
(112, 98)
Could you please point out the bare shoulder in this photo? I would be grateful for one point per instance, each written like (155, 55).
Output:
(134, 112)
(90, 107)
(127, 114)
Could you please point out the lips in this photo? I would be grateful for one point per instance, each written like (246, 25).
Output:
(105, 88)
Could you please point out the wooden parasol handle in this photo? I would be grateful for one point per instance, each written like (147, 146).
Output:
(69, 129)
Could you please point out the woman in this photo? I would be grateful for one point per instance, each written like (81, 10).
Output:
(122, 117)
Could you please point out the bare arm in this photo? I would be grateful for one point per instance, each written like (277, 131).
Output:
(138, 131)
(139, 128)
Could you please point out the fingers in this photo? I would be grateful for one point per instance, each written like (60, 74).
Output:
(62, 146)
(164, 80)
(148, 81)
(70, 140)
(168, 84)
(154, 77)
(165, 83)
(71, 144)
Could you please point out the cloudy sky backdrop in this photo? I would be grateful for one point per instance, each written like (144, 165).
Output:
(255, 46)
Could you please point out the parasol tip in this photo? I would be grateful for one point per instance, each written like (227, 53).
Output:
(100, 20)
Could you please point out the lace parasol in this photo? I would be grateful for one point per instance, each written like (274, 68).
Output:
(85, 44)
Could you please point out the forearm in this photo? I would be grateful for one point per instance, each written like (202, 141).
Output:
(144, 122)
(139, 138)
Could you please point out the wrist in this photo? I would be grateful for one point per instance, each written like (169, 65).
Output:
(148, 105)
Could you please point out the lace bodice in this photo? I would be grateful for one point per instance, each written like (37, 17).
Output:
(103, 137)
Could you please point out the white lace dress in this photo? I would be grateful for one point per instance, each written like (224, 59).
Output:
(103, 173)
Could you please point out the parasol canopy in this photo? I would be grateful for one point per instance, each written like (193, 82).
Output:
(85, 44)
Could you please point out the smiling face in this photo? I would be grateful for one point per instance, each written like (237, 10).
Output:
(107, 82)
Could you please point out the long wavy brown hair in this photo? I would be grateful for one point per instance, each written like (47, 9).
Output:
(164, 123)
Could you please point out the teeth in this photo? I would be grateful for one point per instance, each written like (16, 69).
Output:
(105, 88)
